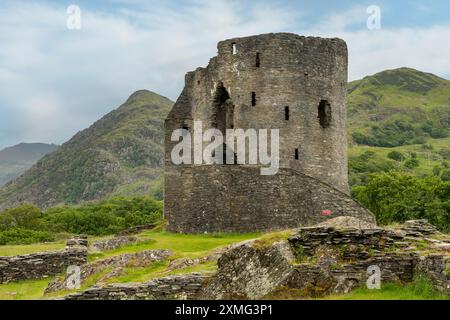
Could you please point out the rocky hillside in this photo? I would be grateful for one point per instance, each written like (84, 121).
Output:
(17, 159)
(398, 107)
(119, 154)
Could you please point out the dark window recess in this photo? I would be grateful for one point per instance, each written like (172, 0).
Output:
(324, 114)
(234, 48)
(253, 99)
(185, 127)
(258, 59)
(286, 113)
(296, 154)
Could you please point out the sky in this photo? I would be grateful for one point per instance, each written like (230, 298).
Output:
(56, 80)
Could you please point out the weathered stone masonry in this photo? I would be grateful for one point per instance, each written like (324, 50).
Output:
(237, 198)
(44, 264)
(168, 288)
(274, 81)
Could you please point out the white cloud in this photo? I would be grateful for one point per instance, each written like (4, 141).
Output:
(85, 73)
(57, 81)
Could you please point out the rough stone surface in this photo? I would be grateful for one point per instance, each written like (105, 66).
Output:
(437, 268)
(326, 261)
(247, 272)
(115, 263)
(251, 87)
(44, 264)
(238, 199)
(347, 222)
(180, 287)
(136, 229)
(418, 228)
(112, 243)
(352, 243)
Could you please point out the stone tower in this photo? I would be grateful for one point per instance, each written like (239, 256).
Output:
(274, 81)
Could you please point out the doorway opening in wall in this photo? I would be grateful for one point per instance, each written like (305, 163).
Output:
(324, 113)
(296, 154)
(223, 112)
(253, 99)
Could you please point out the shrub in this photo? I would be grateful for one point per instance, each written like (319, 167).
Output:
(396, 197)
(105, 217)
(27, 224)
(24, 236)
(25, 216)
(395, 155)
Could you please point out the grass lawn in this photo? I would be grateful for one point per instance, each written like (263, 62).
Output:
(24, 290)
(12, 250)
(421, 289)
(183, 245)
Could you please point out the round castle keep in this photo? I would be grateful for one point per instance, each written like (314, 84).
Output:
(274, 81)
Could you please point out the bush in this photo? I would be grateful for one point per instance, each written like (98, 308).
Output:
(445, 176)
(24, 236)
(395, 155)
(24, 216)
(27, 224)
(397, 197)
(105, 217)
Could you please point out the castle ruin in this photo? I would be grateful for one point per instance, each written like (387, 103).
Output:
(274, 81)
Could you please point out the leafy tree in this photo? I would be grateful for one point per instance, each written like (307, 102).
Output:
(396, 197)
(25, 216)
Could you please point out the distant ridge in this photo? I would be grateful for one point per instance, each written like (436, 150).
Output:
(119, 154)
(17, 159)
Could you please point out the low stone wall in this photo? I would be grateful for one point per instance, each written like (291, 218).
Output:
(437, 268)
(43, 264)
(317, 280)
(112, 243)
(351, 243)
(116, 264)
(180, 287)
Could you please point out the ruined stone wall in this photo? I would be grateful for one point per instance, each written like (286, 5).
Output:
(41, 265)
(172, 287)
(250, 84)
(236, 198)
(295, 72)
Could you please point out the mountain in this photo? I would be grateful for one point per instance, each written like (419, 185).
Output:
(17, 159)
(398, 107)
(120, 154)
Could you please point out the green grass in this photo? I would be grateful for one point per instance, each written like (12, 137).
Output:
(24, 290)
(420, 289)
(183, 245)
(428, 159)
(12, 250)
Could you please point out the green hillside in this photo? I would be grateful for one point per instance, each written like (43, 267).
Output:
(402, 110)
(398, 107)
(120, 154)
(17, 159)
